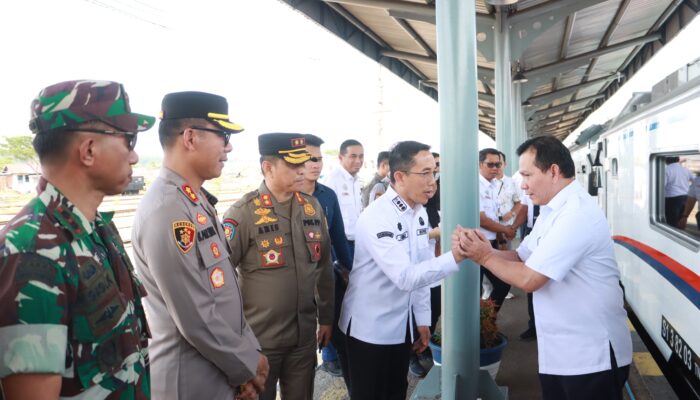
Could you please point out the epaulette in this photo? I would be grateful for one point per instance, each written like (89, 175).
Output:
(246, 198)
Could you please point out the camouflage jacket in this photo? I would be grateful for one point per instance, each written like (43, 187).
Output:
(70, 302)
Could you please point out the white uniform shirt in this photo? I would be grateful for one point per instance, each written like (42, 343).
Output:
(393, 268)
(525, 199)
(349, 192)
(487, 203)
(579, 311)
(507, 194)
(677, 180)
(694, 190)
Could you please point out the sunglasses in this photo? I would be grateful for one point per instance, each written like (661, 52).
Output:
(493, 164)
(130, 137)
(225, 135)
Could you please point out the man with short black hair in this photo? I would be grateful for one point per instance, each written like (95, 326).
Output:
(333, 355)
(202, 346)
(72, 323)
(389, 283)
(346, 185)
(568, 261)
(377, 186)
(281, 246)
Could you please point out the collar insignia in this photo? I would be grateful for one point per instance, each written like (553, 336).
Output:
(187, 190)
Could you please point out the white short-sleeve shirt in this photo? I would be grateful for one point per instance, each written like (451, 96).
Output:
(678, 178)
(488, 203)
(349, 191)
(579, 312)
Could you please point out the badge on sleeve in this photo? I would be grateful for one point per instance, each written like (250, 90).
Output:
(229, 228)
(184, 233)
(217, 277)
(272, 258)
(201, 219)
(215, 249)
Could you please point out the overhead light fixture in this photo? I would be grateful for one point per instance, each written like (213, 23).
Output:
(519, 76)
(501, 2)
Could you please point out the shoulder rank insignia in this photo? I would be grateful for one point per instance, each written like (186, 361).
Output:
(266, 200)
(187, 190)
(299, 198)
(309, 210)
(257, 202)
(399, 204)
(184, 233)
(272, 258)
(229, 228)
(215, 250)
(217, 277)
(264, 216)
(201, 219)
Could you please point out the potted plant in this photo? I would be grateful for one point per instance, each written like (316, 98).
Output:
(491, 342)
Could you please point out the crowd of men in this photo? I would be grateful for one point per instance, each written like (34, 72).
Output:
(236, 306)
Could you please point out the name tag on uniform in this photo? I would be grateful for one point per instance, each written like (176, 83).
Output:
(402, 236)
(422, 231)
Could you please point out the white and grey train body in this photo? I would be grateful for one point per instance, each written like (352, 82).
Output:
(623, 164)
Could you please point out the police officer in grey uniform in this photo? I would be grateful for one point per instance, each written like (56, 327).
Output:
(202, 346)
(279, 241)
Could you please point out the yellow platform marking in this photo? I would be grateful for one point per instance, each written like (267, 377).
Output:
(645, 364)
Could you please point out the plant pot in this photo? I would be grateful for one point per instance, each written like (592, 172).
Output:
(490, 359)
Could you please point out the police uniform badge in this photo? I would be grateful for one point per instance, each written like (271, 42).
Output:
(217, 278)
(279, 240)
(257, 202)
(266, 200)
(201, 219)
(272, 258)
(229, 228)
(187, 190)
(421, 221)
(265, 218)
(309, 210)
(264, 243)
(184, 233)
(215, 250)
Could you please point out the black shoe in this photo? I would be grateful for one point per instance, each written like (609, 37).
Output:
(416, 368)
(529, 334)
(332, 367)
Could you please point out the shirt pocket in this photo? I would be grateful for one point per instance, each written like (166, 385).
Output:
(273, 250)
(312, 238)
(215, 264)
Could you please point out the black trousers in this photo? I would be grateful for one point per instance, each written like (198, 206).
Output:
(435, 306)
(674, 207)
(500, 288)
(603, 385)
(377, 372)
(338, 337)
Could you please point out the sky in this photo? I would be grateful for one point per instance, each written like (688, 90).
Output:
(280, 71)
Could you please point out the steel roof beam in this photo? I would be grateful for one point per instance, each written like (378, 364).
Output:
(549, 8)
(403, 55)
(576, 61)
(560, 107)
(416, 37)
(561, 117)
(547, 97)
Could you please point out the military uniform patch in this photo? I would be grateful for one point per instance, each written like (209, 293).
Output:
(217, 277)
(314, 235)
(315, 249)
(264, 243)
(266, 200)
(272, 258)
(264, 216)
(184, 232)
(229, 228)
(215, 250)
(201, 219)
(299, 198)
(257, 202)
(384, 234)
(190, 193)
(309, 210)
(421, 221)
(399, 204)
(279, 240)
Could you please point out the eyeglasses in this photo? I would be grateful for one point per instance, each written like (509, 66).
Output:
(316, 159)
(493, 164)
(129, 136)
(225, 135)
(427, 175)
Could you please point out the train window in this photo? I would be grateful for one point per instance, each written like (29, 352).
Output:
(613, 168)
(676, 190)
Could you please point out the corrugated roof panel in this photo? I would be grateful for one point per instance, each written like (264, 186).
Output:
(609, 63)
(386, 27)
(427, 32)
(545, 49)
(639, 17)
(482, 7)
(590, 90)
(590, 26)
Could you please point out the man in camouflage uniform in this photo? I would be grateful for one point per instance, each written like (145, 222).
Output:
(279, 241)
(72, 324)
(202, 347)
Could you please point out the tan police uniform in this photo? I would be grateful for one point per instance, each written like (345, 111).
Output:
(283, 255)
(202, 346)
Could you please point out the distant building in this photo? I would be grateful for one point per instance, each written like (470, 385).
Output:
(19, 177)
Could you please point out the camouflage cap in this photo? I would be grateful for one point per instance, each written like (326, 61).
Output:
(71, 103)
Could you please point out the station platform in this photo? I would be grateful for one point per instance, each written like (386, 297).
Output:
(518, 370)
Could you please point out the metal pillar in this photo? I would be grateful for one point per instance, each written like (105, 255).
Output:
(518, 131)
(457, 80)
(503, 84)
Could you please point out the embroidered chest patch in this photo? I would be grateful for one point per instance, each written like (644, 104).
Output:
(184, 232)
